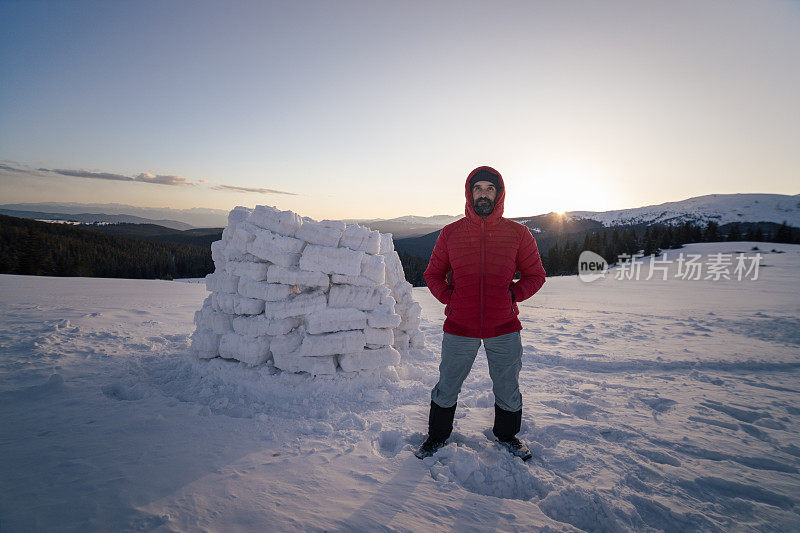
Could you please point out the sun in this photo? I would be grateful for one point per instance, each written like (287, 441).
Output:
(560, 188)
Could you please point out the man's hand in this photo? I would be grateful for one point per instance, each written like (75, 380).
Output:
(529, 265)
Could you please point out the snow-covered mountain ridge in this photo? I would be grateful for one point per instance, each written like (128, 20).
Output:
(721, 208)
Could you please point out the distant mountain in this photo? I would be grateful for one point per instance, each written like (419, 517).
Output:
(197, 217)
(95, 218)
(751, 211)
(409, 225)
(721, 208)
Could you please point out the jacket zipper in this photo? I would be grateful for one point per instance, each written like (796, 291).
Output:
(483, 275)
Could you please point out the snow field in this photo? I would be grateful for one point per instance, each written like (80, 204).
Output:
(288, 288)
(648, 406)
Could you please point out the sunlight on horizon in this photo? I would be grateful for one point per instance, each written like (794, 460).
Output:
(560, 186)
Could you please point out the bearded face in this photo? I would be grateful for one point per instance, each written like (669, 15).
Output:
(483, 207)
(484, 195)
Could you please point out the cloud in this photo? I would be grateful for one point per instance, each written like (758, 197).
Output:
(251, 189)
(4, 168)
(8, 166)
(163, 179)
(144, 177)
(89, 174)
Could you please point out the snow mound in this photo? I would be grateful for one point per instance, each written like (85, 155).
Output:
(304, 296)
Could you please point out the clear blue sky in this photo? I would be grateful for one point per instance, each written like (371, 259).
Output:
(380, 109)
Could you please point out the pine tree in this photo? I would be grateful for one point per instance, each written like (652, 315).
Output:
(712, 232)
(734, 234)
(784, 233)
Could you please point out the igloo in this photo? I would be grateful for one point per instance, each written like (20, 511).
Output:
(305, 296)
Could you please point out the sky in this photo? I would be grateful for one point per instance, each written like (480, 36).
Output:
(380, 109)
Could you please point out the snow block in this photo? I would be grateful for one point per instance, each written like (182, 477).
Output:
(247, 306)
(236, 304)
(205, 344)
(227, 235)
(384, 293)
(251, 350)
(361, 238)
(282, 222)
(295, 276)
(238, 214)
(383, 317)
(254, 271)
(218, 251)
(330, 320)
(243, 235)
(208, 319)
(412, 310)
(270, 292)
(258, 325)
(316, 366)
(275, 248)
(222, 282)
(331, 260)
(232, 254)
(368, 359)
(360, 281)
(301, 304)
(332, 343)
(394, 269)
(286, 344)
(363, 298)
(222, 301)
(324, 233)
(379, 336)
(373, 267)
(401, 340)
(402, 291)
(387, 244)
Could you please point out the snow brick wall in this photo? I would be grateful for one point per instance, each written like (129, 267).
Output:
(305, 296)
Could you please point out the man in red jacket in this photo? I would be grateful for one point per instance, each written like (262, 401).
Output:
(471, 271)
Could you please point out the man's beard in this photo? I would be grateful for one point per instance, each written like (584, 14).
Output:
(483, 207)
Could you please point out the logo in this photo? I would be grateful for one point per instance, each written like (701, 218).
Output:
(591, 266)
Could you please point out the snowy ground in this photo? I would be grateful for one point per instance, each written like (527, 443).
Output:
(649, 405)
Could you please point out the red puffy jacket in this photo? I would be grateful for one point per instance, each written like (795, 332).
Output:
(483, 255)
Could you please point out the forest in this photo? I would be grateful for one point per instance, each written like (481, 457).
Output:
(40, 248)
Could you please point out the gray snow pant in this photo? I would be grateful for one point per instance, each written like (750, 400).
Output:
(504, 354)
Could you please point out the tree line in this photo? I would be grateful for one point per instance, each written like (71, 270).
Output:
(39, 248)
(562, 257)
(610, 243)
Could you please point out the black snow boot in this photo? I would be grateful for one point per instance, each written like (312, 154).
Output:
(506, 426)
(440, 425)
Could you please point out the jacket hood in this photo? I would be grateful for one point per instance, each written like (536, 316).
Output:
(469, 210)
